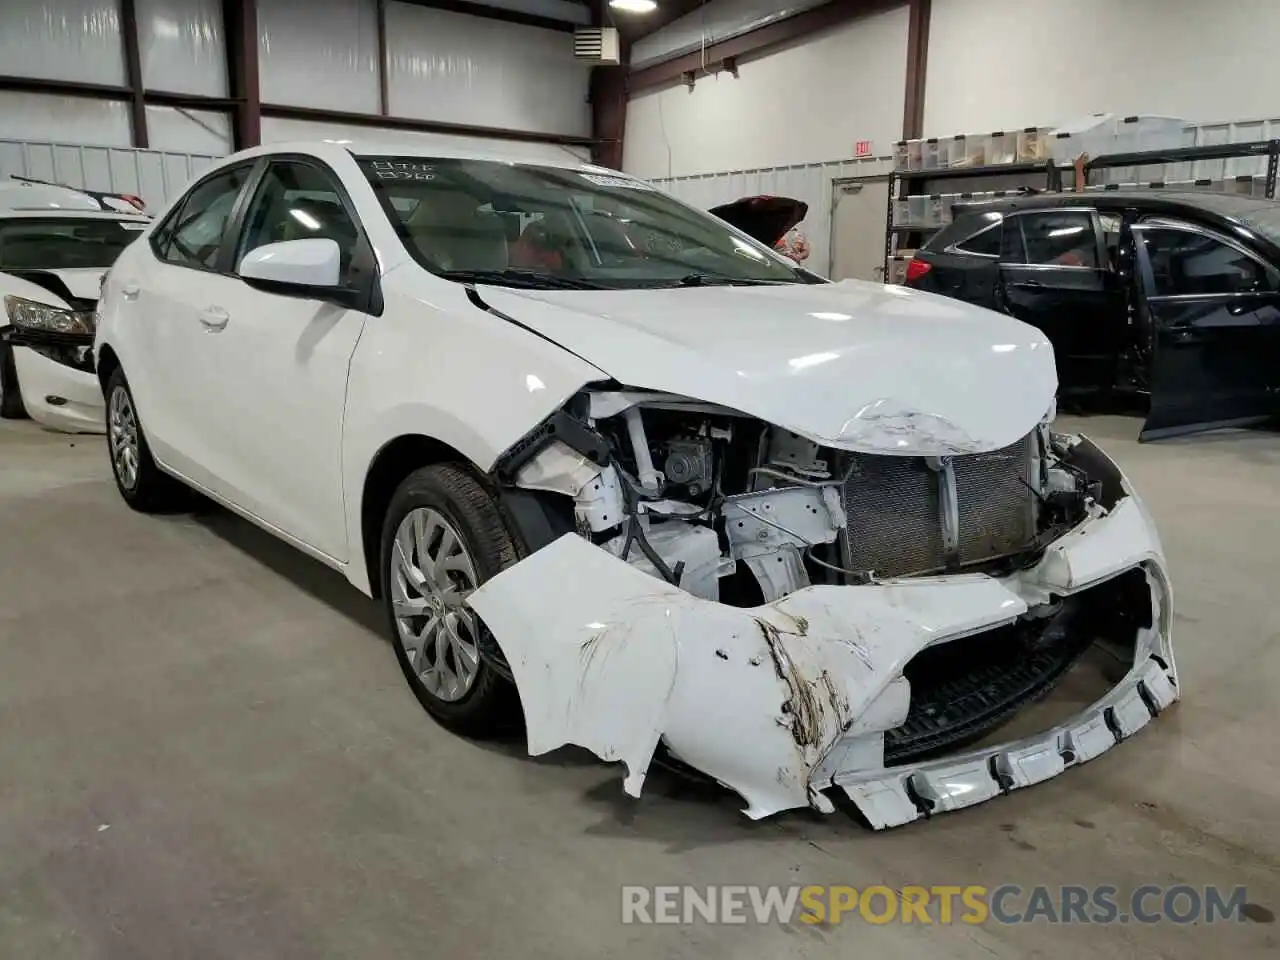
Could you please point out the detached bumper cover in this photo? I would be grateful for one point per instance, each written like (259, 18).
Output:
(789, 700)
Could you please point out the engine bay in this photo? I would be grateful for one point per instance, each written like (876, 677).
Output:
(735, 510)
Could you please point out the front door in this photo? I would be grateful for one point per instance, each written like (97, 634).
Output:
(1214, 313)
(274, 366)
(1054, 275)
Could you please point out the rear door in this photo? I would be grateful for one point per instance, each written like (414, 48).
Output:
(1214, 312)
(964, 261)
(161, 293)
(1054, 275)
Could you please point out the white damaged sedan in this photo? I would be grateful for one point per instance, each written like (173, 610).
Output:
(610, 462)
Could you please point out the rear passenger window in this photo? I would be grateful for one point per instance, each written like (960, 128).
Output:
(985, 243)
(1054, 238)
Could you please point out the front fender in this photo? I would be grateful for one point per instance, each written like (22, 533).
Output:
(437, 366)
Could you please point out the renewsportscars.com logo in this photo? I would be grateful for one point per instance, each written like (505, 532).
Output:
(972, 904)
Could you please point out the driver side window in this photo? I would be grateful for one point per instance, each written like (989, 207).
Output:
(298, 201)
(193, 235)
(1191, 263)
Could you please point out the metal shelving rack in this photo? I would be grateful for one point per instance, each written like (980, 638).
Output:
(1048, 176)
(901, 185)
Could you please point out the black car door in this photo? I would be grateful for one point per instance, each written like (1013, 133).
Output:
(1214, 311)
(1054, 275)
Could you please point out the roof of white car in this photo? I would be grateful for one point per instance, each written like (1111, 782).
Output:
(45, 213)
(18, 197)
(514, 152)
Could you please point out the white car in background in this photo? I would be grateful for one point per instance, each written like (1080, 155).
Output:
(56, 243)
(610, 462)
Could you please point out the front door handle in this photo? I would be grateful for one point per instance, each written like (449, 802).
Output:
(130, 291)
(214, 318)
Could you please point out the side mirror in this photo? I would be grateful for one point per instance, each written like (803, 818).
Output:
(301, 267)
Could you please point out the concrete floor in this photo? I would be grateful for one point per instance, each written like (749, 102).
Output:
(207, 750)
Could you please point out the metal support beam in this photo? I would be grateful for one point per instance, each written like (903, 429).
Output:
(919, 14)
(235, 105)
(384, 65)
(241, 22)
(608, 115)
(476, 9)
(756, 42)
(66, 88)
(315, 115)
(133, 73)
(608, 96)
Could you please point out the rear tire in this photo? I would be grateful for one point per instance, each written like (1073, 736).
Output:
(442, 537)
(144, 486)
(11, 405)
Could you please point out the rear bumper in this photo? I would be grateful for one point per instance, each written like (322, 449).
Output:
(44, 382)
(785, 702)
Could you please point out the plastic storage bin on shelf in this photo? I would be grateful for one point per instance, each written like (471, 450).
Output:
(1002, 148)
(934, 211)
(1247, 186)
(1034, 144)
(898, 267)
(917, 210)
(1134, 134)
(900, 155)
(901, 213)
(936, 154)
(1064, 148)
(915, 154)
(969, 150)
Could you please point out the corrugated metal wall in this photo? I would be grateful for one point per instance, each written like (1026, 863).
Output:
(157, 176)
(810, 182)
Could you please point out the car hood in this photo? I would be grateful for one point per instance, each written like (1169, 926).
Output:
(766, 219)
(854, 365)
(75, 287)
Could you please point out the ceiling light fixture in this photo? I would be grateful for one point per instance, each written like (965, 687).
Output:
(634, 6)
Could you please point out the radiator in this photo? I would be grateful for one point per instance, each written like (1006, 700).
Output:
(894, 505)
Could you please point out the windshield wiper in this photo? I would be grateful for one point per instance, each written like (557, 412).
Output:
(713, 280)
(517, 277)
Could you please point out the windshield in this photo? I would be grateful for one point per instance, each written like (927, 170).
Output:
(37, 243)
(526, 225)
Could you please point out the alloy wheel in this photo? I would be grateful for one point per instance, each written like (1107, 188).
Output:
(122, 436)
(432, 573)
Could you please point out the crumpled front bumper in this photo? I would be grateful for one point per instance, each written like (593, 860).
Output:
(58, 396)
(789, 700)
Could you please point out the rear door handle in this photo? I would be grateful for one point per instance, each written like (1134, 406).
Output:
(214, 318)
(130, 291)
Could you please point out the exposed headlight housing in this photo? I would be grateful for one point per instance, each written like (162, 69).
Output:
(32, 315)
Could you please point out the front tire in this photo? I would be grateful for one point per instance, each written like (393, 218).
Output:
(443, 537)
(144, 486)
(11, 405)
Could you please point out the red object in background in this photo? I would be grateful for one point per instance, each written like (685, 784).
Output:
(917, 268)
(862, 149)
(136, 201)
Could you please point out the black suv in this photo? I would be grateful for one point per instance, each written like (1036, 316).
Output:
(1175, 296)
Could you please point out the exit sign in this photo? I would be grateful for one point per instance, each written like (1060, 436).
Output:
(862, 149)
